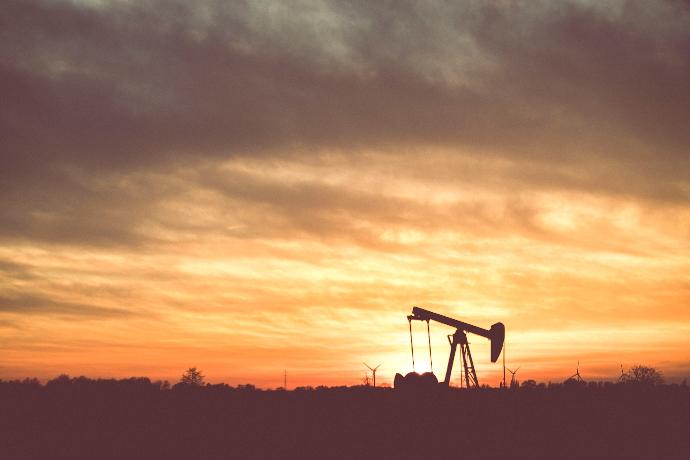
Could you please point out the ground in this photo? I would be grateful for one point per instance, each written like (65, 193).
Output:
(141, 420)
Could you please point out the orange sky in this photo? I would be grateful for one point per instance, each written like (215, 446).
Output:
(187, 187)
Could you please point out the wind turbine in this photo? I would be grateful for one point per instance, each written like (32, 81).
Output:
(373, 371)
(513, 382)
(576, 375)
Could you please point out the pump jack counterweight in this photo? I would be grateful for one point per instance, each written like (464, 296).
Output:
(496, 334)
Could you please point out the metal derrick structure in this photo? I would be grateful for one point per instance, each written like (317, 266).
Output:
(496, 334)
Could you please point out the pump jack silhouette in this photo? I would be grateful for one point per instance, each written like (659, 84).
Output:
(496, 334)
(373, 372)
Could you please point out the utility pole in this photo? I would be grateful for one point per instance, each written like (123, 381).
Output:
(504, 365)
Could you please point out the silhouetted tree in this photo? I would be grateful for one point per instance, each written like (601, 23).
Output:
(572, 382)
(307, 388)
(162, 384)
(31, 382)
(60, 380)
(192, 377)
(529, 384)
(643, 375)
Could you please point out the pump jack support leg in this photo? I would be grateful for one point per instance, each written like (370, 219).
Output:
(464, 365)
(474, 373)
(449, 369)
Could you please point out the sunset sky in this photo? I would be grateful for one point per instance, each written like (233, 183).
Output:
(248, 187)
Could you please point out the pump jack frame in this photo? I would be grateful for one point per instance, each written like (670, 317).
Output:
(460, 338)
(496, 334)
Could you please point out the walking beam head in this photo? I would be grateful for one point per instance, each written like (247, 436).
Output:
(497, 335)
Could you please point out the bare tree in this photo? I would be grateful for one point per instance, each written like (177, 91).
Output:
(642, 375)
(192, 377)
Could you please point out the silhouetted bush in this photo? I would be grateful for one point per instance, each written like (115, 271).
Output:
(246, 387)
(573, 383)
(60, 380)
(529, 384)
(305, 388)
(162, 385)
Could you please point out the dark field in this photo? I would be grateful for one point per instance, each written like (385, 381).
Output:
(136, 419)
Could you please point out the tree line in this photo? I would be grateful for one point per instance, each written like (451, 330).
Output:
(638, 376)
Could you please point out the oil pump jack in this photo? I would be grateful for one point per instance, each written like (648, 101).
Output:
(496, 334)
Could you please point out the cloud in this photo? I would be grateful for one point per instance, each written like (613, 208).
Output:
(34, 304)
(134, 85)
(562, 96)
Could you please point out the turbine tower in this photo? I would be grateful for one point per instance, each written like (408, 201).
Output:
(513, 381)
(373, 371)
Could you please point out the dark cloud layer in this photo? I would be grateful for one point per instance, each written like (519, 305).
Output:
(93, 92)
